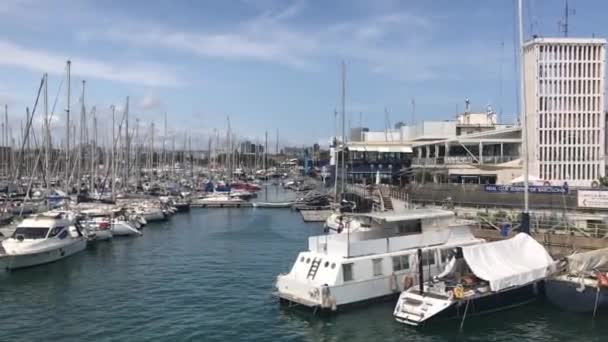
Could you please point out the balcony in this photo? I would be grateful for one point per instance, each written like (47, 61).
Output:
(456, 160)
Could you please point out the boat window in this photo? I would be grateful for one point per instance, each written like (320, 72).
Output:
(30, 233)
(308, 260)
(428, 258)
(302, 259)
(347, 272)
(55, 231)
(63, 234)
(401, 262)
(410, 227)
(333, 265)
(377, 266)
(326, 264)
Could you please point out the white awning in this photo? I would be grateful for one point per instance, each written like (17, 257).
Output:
(514, 262)
(381, 148)
(408, 215)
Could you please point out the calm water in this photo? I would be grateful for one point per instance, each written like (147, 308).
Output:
(208, 276)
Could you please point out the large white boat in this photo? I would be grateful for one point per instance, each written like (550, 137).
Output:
(42, 239)
(338, 270)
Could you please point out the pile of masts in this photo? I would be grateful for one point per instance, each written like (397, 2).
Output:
(88, 158)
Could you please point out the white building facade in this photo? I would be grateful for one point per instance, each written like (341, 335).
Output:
(564, 91)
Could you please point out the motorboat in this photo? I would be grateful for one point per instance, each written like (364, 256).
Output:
(338, 223)
(42, 239)
(216, 199)
(581, 284)
(103, 224)
(339, 270)
(478, 279)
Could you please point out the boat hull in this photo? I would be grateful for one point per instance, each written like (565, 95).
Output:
(99, 235)
(12, 262)
(493, 302)
(124, 229)
(154, 216)
(569, 296)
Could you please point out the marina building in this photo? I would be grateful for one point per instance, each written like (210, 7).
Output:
(565, 106)
(473, 148)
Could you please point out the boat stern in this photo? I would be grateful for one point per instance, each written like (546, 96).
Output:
(414, 308)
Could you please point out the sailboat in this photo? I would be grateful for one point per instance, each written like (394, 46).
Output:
(484, 278)
(479, 279)
(581, 285)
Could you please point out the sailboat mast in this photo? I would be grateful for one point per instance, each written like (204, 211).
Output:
(67, 127)
(47, 145)
(343, 126)
(127, 145)
(113, 153)
(524, 132)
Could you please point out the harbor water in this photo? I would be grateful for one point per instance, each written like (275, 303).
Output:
(208, 275)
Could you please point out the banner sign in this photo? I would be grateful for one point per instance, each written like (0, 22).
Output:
(592, 199)
(533, 189)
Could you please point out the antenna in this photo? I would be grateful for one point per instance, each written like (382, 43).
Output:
(563, 22)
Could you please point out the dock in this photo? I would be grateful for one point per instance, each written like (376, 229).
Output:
(232, 204)
(315, 215)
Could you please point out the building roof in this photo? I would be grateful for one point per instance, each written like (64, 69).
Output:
(408, 215)
(366, 146)
(564, 40)
(496, 136)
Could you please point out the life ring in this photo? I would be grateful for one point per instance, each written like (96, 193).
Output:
(595, 184)
(459, 292)
(407, 282)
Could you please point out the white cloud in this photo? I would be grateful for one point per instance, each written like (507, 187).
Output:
(151, 102)
(43, 61)
(399, 44)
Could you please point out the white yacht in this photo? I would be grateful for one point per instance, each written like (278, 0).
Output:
(42, 239)
(338, 270)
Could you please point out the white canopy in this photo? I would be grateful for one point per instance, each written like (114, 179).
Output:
(381, 148)
(513, 262)
(532, 180)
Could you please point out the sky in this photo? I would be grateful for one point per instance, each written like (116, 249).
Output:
(271, 64)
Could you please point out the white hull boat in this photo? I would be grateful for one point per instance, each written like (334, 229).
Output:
(43, 239)
(122, 228)
(339, 270)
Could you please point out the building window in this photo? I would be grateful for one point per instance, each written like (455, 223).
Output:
(377, 266)
(347, 272)
(401, 263)
(428, 258)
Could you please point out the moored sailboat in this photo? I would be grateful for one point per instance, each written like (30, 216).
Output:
(479, 279)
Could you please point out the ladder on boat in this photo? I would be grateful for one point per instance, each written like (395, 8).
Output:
(314, 267)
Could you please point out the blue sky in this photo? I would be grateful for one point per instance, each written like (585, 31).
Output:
(272, 64)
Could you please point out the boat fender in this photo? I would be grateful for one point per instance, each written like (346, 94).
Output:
(602, 279)
(393, 282)
(334, 307)
(459, 292)
(407, 282)
(325, 296)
